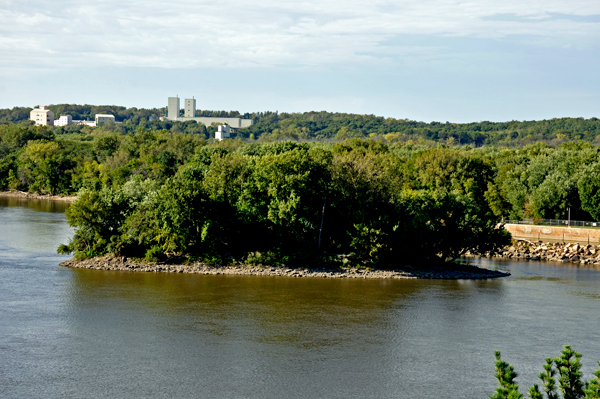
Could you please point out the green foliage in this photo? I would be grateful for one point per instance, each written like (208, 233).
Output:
(534, 392)
(321, 125)
(264, 204)
(177, 217)
(505, 374)
(380, 204)
(592, 388)
(43, 168)
(567, 367)
(154, 253)
(282, 198)
(543, 182)
(269, 258)
(589, 189)
(408, 193)
(274, 126)
(444, 225)
(12, 181)
(64, 249)
(547, 378)
(16, 114)
(105, 145)
(98, 216)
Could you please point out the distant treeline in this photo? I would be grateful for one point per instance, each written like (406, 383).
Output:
(271, 126)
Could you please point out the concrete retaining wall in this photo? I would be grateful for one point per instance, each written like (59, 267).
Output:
(551, 233)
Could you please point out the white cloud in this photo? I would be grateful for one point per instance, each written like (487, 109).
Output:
(41, 34)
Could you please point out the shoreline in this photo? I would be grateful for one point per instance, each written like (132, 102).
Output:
(453, 272)
(552, 251)
(26, 195)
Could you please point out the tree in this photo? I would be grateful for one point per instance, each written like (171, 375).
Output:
(589, 189)
(441, 226)
(592, 388)
(43, 168)
(283, 196)
(568, 367)
(505, 374)
(97, 217)
(569, 372)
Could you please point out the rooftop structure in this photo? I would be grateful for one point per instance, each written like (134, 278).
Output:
(42, 116)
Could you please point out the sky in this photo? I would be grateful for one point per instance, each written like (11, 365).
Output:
(426, 60)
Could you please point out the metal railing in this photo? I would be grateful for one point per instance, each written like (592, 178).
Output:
(554, 222)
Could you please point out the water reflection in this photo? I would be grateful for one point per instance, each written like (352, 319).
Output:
(39, 205)
(287, 311)
(31, 231)
(349, 335)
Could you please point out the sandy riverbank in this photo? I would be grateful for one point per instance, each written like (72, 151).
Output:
(444, 272)
(25, 195)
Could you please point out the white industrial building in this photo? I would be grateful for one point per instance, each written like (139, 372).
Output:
(64, 120)
(223, 132)
(42, 116)
(103, 118)
(85, 123)
(189, 114)
(99, 119)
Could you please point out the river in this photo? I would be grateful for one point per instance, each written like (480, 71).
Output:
(74, 333)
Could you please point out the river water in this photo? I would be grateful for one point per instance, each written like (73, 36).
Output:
(95, 334)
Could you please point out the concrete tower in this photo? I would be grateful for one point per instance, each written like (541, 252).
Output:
(190, 108)
(173, 108)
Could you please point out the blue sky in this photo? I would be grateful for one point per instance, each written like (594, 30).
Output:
(424, 60)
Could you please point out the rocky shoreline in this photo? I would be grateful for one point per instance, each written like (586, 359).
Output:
(455, 272)
(25, 195)
(552, 251)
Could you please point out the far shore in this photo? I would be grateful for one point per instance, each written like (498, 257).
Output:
(563, 252)
(449, 272)
(26, 195)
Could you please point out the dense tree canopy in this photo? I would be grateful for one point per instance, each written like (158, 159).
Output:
(280, 201)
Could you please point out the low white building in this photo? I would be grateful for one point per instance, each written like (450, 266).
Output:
(85, 123)
(103, 118)
(64, 120)
(223, 132)
(42, 116)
